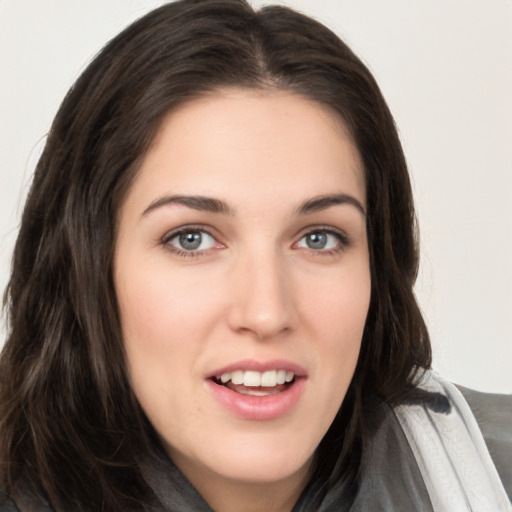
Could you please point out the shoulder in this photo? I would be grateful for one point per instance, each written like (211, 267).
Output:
(493, 413)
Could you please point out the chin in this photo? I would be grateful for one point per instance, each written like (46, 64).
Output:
(265, 471)
(256, 459)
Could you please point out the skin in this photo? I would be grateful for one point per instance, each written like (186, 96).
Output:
(254, 290)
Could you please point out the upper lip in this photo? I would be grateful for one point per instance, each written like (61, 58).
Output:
(259, 366)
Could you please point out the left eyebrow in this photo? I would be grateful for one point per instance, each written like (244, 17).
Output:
(319, 203)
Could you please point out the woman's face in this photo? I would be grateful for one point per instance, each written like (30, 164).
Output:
(241, 263)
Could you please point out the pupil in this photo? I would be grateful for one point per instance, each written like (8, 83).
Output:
(316, 240)
(190, 241)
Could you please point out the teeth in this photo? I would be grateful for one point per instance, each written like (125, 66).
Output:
(252, 379)
(269, 379)
(237, 377)
(255, 379)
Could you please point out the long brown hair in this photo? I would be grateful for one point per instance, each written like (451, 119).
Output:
(71, 430)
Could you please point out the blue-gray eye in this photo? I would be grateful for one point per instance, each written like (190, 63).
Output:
(319, 240)
(192, 240)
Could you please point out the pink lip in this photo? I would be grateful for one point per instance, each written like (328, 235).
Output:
(260, 408)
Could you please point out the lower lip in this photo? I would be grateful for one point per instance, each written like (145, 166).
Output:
(260, 408)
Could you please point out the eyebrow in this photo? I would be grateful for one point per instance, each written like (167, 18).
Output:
(209, 204)
(201, 203)
(320, 203)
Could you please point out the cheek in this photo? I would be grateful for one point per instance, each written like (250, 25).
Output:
(338, 303)
(337, 318)
(159, 305)
(167, 319)
(164, 327)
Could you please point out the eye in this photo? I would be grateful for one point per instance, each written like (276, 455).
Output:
(321, 240)
(191, 241)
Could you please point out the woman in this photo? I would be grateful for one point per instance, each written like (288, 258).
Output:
(211, 300)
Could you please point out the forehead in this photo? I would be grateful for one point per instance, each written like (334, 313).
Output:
(239, 142)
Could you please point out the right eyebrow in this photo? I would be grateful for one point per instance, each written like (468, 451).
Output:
(201, 203)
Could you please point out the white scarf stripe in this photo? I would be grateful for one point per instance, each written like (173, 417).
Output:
(451, 453)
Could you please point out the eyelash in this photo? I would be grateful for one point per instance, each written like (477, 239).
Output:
(184, 230)
(344, 241)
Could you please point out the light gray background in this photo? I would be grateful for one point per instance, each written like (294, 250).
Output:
(445, 67)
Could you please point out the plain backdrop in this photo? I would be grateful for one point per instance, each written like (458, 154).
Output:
(445, 68)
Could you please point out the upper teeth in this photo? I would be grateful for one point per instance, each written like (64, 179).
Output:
(253, 379)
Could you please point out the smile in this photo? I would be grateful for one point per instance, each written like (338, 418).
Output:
(258, 393)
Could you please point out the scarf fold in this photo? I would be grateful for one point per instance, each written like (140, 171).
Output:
(451, 453)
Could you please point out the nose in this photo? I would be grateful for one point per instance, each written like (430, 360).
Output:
(262, 304)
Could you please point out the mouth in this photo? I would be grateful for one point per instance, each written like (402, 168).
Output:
(254, 383)
(258, 391)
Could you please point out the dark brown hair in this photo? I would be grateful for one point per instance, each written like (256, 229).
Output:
(71, 430)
